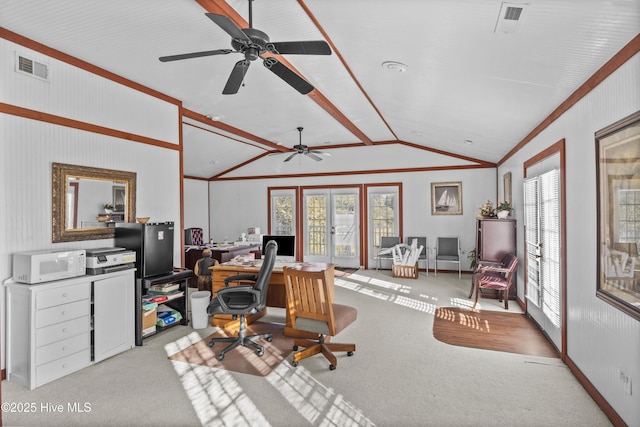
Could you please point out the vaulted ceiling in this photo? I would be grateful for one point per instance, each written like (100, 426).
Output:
(410, 84)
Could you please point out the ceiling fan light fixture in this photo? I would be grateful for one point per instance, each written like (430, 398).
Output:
(398, 67)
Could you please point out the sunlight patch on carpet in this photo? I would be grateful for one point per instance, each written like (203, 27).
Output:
(241, 359)
(318, 404)
(217, 398)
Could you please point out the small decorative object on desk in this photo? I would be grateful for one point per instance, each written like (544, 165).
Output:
(504, 209)
(108, 207)
(143, 219)
(486, 210)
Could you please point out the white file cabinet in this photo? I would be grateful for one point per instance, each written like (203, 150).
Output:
(52, 330)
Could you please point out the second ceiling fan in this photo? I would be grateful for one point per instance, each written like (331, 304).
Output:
(254, 44)
(304, 150)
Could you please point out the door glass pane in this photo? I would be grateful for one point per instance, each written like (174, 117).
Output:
(316, 239)
(550, 236)
(532, 239)
(344, 224)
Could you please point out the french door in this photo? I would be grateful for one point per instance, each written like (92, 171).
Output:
(542, 231)
(331, 223)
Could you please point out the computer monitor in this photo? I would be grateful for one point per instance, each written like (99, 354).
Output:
(286, 246)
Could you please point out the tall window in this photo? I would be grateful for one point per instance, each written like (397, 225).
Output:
(283, 212)
(383, 216)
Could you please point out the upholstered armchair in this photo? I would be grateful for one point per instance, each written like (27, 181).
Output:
(497, 276)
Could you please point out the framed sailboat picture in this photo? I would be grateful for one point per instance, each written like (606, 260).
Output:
(446, 198)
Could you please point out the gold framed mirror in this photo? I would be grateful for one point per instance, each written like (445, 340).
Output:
(87, 202)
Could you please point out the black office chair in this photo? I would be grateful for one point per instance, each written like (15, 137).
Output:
(241, 300)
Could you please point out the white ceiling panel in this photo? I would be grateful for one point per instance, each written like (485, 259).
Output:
(464, 81)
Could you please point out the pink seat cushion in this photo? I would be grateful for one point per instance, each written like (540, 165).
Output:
(493, 282)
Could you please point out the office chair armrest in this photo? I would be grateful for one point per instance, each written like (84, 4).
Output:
(239, 277)
(235, 289)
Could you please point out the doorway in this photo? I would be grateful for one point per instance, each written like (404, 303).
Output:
(331, 226)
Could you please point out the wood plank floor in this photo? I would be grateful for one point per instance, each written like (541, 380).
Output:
(491, 330)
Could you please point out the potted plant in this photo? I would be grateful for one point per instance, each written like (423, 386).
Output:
(504, 209)
(473, 258)
(486, 210)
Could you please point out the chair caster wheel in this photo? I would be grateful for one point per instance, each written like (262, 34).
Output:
(295, 348)
(332, 367)
(349, 353)
(260, 353)
(294, 364)
(269, 339)
(220, 356)
(211, 343)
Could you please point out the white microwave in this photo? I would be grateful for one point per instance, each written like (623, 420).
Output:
(45, 266)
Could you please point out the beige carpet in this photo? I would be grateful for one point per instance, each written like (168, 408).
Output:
(241, 359)
(491, 330)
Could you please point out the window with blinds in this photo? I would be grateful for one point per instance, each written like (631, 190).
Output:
(542, 239)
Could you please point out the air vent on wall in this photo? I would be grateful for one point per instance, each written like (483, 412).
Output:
(32, 68)
(510, 16)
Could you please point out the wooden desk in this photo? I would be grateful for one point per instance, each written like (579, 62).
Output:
(276, 295)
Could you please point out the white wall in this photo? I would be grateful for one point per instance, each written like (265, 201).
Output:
(196, 205)
(236, 205)
(600, 338)
(28, 148)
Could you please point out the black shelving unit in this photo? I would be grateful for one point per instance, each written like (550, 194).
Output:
(180, 304)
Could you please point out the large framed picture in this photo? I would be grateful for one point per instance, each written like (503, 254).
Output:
(446, 198)
(618, 198)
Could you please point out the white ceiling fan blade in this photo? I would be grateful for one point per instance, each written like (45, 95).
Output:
(290, 157)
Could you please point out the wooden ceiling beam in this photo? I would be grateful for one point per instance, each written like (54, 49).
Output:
(227, 128)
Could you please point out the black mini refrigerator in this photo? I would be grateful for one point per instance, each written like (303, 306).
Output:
(153, 244)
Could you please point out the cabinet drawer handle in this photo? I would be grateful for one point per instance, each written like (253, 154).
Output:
(64, 313)
(64, 295)
(64, 366)
(64, 348)
(64, 329)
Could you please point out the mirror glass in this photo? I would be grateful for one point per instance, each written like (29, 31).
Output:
(88, 202)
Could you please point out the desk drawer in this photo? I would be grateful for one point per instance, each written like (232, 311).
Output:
(61, 367)
(61, 349)
(61, 331)
(62, 313)
(52, 297)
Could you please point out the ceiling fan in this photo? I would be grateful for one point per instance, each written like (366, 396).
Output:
(254, 44)
(304, 150)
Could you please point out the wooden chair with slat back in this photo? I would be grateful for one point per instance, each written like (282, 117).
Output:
(311, 310)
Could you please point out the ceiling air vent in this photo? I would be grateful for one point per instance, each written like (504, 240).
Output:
(32, 68)
(510, 16)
